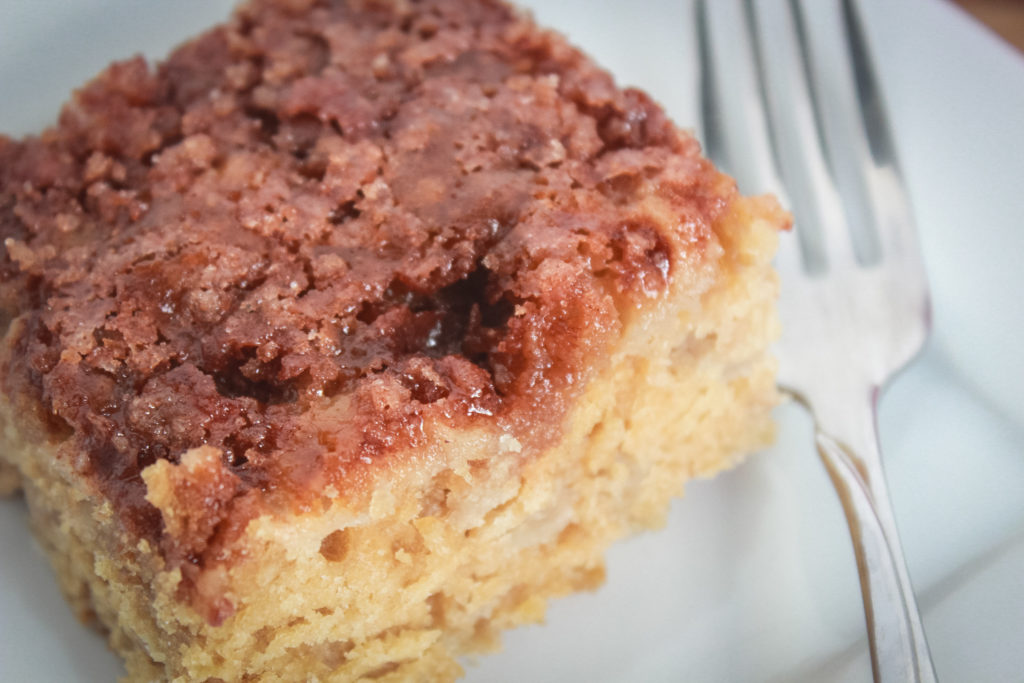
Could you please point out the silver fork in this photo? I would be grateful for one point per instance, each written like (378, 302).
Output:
(808, 124)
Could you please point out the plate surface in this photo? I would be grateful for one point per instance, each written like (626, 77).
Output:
(753, 578)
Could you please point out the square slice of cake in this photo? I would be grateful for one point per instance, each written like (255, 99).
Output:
(352, 332)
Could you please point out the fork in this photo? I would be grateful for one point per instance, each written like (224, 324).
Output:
(854, 300)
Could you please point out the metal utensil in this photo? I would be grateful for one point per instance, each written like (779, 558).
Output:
(810, 127)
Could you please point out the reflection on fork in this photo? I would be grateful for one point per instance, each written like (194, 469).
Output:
(807, 123)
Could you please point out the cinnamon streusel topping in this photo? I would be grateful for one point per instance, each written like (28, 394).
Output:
(315, 227)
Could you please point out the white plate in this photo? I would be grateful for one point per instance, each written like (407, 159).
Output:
(753, 579)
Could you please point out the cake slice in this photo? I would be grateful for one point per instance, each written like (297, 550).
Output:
(353, 332)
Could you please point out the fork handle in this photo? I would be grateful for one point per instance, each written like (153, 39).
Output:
(899, 650)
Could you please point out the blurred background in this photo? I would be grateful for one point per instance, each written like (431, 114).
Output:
(1005, 17)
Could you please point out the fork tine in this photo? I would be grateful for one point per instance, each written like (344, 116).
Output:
(794, 118)
(845, 136)
(711, 134)
(893, 215)
(750, 159)
(747, 152)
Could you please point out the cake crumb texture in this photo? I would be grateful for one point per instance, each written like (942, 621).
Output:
(352, 332)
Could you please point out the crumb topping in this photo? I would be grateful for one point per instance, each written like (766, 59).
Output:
(318, 225)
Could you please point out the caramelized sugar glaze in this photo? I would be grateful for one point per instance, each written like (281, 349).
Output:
(318, 225)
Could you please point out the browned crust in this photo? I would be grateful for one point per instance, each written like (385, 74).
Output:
(319, 226)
